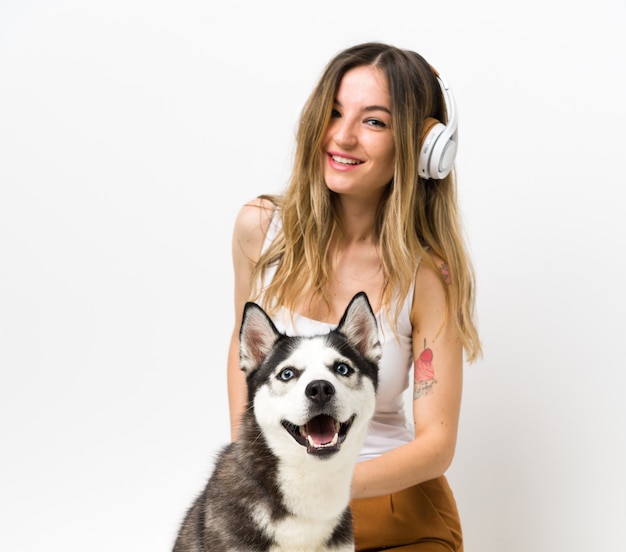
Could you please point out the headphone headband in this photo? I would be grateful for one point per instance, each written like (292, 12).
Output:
(439, 145)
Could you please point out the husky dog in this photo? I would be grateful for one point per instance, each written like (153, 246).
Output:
(284, 485)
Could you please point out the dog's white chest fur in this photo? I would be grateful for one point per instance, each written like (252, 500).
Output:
(297, 534)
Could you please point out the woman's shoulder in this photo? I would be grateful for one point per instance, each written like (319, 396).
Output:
(435, 271)
(252, 223)
(431, 280)
(256, 214)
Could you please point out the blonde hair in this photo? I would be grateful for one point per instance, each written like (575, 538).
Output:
(414, 214)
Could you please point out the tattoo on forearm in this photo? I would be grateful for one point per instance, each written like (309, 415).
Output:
(424, 373)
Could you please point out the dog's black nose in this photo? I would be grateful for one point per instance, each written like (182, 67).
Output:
(320, 391)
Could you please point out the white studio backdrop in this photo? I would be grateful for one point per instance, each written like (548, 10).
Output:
(131, 132)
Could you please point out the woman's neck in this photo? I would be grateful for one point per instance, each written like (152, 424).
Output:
(358, 222)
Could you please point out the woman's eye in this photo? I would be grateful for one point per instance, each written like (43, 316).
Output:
(376, 123)
(343, 369)
(334, 114)
(286, 374)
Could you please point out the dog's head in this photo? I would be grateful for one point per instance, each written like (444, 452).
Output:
(312, 393)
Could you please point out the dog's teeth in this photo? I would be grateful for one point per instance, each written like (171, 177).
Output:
(315, 445)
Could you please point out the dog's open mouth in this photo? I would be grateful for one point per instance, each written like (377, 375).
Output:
(320, 435)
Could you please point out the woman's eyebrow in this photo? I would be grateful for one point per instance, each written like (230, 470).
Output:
(370, 107)
(377, 108)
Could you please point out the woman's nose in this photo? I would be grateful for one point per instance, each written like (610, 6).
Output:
(344, 133)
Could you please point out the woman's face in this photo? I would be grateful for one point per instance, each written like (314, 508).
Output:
(358, 148)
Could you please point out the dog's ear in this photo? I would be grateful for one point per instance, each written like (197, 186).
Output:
(359, 325)
(256, 337)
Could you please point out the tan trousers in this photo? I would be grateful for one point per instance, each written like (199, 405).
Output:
(423, 518)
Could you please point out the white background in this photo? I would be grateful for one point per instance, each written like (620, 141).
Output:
(131, 131)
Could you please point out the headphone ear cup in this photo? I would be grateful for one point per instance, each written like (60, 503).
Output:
(446, 157)
(431, 131)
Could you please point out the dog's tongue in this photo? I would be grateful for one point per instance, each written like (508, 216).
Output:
(321, 431)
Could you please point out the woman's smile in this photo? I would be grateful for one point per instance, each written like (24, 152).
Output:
(343, 161)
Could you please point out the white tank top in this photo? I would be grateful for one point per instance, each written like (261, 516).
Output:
(388, 428)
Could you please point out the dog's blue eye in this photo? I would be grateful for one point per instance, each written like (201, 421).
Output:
(342, 369)
(286, 374)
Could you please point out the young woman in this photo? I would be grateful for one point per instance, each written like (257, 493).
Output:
(361, 213)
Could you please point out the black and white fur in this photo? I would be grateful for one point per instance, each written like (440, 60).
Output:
(284, 485)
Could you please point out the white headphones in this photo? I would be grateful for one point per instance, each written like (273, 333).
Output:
(439, 142)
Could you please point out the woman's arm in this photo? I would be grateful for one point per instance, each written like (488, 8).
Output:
(249, 232)
(438, 379)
